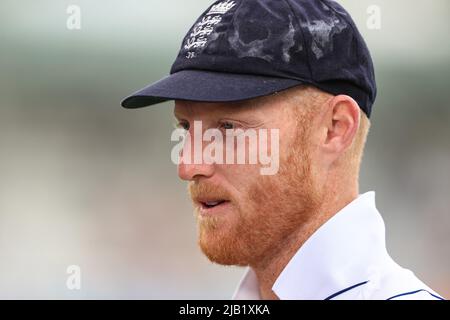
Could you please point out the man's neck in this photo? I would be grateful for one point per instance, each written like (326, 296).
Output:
(268, 271)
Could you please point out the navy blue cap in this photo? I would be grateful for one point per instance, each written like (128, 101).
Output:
(243, 49)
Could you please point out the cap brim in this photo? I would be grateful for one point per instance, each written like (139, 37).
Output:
(207, 86)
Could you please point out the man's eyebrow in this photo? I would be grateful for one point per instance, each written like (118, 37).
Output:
(235, 108)
(178, 114)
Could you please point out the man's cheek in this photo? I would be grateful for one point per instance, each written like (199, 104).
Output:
(269, 151)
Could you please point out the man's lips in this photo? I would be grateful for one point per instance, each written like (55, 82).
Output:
(211, 205)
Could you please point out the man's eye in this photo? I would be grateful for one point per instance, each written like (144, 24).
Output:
(227, 125)
(183, 125)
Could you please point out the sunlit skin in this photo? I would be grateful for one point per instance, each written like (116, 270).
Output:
(264, 220)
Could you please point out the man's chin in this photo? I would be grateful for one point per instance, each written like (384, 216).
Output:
(221, 248)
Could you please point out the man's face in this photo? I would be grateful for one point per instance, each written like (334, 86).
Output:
(244, 216)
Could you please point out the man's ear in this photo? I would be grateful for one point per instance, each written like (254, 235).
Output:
(341, 124)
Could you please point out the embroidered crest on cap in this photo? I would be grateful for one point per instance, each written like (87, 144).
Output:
(198, 38)
(222, 7)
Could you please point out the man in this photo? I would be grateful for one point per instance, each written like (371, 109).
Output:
(302, 68)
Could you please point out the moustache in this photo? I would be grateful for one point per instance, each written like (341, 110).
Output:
(204, 192)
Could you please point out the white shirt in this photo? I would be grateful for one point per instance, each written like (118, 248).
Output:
(346, 258)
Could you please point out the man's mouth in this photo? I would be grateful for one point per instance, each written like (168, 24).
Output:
(211, 206)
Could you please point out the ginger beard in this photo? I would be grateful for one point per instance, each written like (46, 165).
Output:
(261, 217)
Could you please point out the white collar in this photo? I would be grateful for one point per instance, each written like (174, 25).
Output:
(341, 253)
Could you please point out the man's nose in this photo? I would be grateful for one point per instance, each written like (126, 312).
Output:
(193, 167)
(193, 171)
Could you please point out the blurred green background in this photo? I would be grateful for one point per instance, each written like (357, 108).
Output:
(86, 182)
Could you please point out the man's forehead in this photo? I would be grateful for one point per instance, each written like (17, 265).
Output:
(249, 106)
(191, 108)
